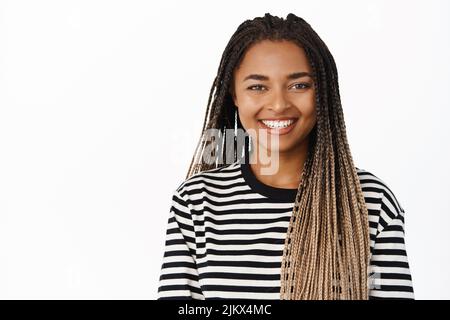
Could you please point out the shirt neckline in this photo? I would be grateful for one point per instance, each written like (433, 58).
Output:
(264, 189)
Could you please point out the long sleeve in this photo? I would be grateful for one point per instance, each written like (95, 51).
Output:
(179, 277)
(390, 274)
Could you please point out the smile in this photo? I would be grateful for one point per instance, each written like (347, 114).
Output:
(278, 124)
(275, 126)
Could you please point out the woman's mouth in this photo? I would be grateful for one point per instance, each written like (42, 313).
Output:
(278, 126)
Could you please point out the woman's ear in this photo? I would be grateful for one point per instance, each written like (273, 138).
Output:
(232, 94)
(231, 91)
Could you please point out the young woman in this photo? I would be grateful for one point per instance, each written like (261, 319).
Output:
(317, 227)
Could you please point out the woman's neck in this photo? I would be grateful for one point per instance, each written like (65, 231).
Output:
(285, 170)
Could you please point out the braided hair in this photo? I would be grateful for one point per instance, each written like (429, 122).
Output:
(326, 251)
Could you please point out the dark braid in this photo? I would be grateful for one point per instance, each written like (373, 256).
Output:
(326, 252)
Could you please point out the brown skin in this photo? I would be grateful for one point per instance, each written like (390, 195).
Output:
(275, 98)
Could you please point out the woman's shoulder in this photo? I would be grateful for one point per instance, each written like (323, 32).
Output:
(217, 175)
(369, 179)
(379, 193)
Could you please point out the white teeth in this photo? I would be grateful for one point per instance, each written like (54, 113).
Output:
(277, 124)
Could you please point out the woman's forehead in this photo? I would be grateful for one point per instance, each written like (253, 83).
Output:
(273, 59)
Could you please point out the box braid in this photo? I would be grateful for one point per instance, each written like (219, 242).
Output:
(326, 251)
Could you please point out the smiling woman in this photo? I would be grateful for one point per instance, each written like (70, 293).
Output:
(317, 227)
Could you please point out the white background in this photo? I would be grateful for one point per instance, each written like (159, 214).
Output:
(101, 107)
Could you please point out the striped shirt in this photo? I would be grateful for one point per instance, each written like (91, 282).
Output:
(226, 232)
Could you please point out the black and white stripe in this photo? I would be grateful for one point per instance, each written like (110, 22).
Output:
(226, 231)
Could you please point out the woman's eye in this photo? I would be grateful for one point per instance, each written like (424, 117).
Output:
(255, 86)
(302, 85)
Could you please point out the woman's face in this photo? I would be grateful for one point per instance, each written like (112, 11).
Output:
(274, 90)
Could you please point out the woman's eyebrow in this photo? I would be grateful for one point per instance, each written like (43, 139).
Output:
(291, 76)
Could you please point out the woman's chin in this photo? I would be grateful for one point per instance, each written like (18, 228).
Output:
(273, 149)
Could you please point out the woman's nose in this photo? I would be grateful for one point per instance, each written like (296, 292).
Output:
(279, 102)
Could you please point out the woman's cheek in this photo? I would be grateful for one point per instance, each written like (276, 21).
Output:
(248, 114)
